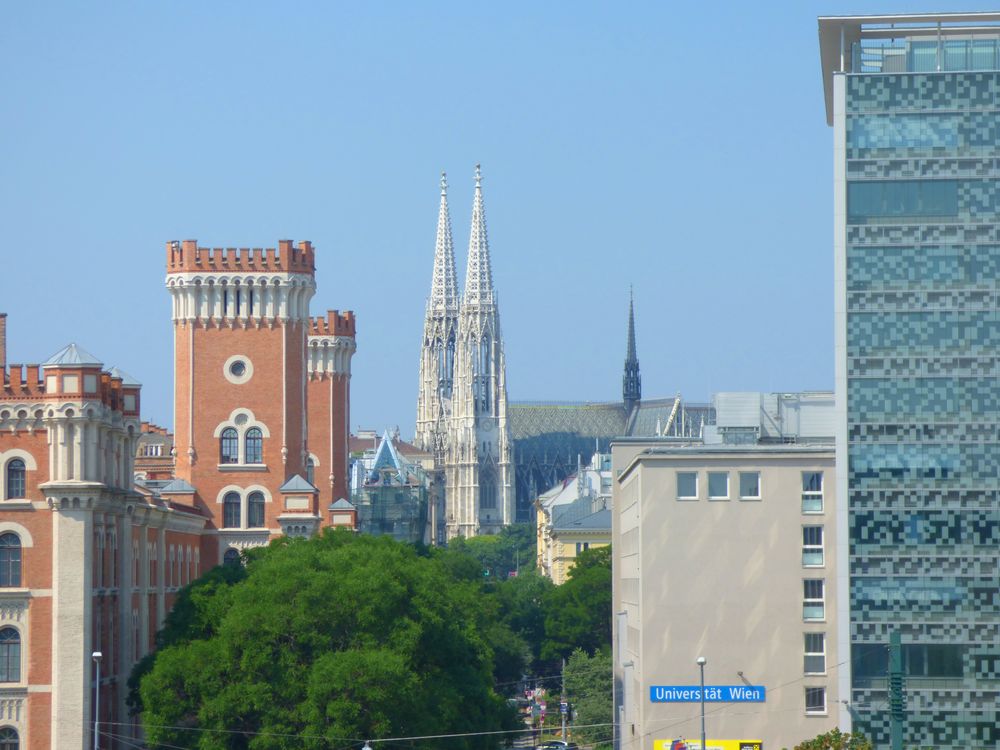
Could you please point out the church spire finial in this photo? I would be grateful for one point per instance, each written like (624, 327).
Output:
(479, 273)
(631, 382)
(444, 284)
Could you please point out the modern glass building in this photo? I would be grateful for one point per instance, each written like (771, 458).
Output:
(914, 102)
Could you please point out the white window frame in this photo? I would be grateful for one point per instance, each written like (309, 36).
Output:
(740, 488)
(709, 485)
(813, 602)
(805, 695)
(821, 654)
(687, 497)
(813, 495)
(810, 551)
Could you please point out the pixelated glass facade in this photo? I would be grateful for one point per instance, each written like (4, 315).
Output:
(923, 401)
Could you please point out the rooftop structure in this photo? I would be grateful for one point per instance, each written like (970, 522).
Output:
(922, 42)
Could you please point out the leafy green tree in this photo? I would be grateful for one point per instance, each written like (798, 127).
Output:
(521, 603)
(589, 689)
(578, 613)
(323, 642)
(836, 740)
(512, 550)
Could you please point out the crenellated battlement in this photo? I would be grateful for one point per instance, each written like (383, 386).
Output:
(187, 257)
(17, 383)
(20, 382)
(334, 324)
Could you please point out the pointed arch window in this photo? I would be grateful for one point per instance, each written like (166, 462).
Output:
(231, 510)
(9, 739)
(10, 560)
(10, 655)
(255, 510)
(15, 479)
(487, 492)
(229, 446)
(254, 446)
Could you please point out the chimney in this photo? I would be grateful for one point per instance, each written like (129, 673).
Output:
(3, 342)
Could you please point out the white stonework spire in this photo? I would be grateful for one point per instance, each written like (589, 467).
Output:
(478, 273)
(437, 354)
(444, 287)
(479, 495)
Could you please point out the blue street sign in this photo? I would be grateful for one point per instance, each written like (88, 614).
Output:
(713, 694)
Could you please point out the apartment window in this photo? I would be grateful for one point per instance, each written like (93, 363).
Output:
(229, 447)
(10, 655)
(10, 561)
(687, 485)
(231, 511)
(812, 546)
(812, 491)
(815, 653)
(582, 547)
(718, 485)
(815, 700)
(255, 510)
(750, 485)
(255, 446)
(15, 479)
(813, 604)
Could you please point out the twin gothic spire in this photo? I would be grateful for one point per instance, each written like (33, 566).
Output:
(478, 274)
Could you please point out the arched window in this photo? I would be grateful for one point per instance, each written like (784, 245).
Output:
(231, 510)
(9, 739)
(229, 447)
(10, 655)
(10, 560)
(255, 446)
(255, 510)
(311, 472)
(15, 479)
(487, 492)
(232, 557)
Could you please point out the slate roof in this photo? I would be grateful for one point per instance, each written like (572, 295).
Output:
(341, 504)
(297, 484)
(71, 354)
(176, 486)
(597, 521)
(126, 378)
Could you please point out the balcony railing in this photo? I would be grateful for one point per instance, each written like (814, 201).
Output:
(925, 55)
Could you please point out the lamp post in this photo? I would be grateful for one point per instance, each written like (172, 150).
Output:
(701, 666)
(96, 656)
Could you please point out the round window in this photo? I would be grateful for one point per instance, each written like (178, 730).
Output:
(238, 368)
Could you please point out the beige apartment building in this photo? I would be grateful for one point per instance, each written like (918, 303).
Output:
(724, 549)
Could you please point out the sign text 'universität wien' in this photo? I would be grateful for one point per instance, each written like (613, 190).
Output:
(713, 694)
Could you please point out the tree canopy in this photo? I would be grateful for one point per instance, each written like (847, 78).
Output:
(589, 690)
(326, 642)
(578, 613)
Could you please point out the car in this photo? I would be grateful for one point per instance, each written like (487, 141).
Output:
(558, 745)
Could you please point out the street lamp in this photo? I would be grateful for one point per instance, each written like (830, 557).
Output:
(96, 656)
(700, 661)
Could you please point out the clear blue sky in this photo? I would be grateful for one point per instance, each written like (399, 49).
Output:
(678, 147)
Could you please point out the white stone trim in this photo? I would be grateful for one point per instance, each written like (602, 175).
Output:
(21, 531)
(238, 379)
(244, 493)
(250, 421)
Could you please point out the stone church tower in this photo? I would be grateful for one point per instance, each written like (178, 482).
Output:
(462, 406)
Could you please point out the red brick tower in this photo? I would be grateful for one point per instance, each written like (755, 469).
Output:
(331, 346)
(241, 318)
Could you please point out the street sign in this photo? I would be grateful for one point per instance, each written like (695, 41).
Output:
(713, 694)
(564, 707)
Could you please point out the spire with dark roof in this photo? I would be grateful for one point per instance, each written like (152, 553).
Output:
(631, 382)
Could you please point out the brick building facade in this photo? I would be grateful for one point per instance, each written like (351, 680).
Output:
(90, 559)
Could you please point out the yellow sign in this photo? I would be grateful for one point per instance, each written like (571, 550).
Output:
(681, 744)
